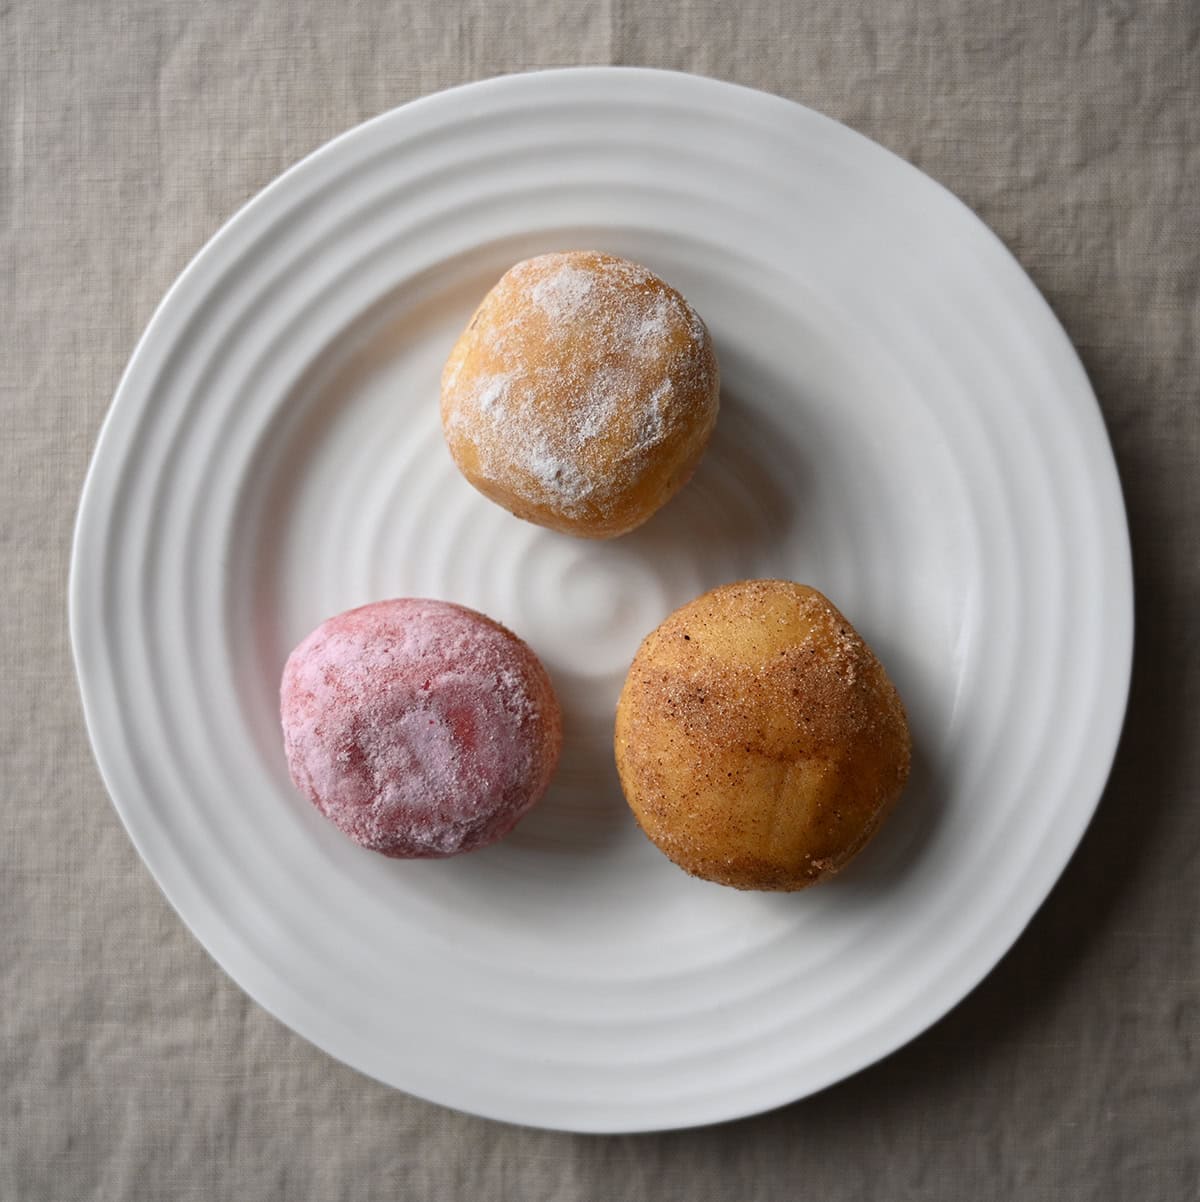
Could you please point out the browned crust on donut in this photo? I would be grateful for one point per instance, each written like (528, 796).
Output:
(758, 739)
(559, 454)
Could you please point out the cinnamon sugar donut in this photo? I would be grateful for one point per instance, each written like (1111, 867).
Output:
(759, 741)
(582, 394)
(420, 728)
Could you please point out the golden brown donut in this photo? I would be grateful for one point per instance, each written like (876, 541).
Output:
(759, 741)
(582, 393)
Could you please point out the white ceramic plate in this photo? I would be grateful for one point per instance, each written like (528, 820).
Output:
(904, 425)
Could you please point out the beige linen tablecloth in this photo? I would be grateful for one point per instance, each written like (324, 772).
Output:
(130, 1066)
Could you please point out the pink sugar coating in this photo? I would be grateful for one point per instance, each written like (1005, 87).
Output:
(420, 728)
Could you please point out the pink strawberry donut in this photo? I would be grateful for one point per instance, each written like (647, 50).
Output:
(420, 728)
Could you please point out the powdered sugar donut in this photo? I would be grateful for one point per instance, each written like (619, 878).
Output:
(420, 728)
(582, 394)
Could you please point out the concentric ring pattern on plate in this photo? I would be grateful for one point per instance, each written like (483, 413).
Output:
(903, 425)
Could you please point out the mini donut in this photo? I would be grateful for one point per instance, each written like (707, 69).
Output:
(420, 728)
(759, 741)
(582, 394)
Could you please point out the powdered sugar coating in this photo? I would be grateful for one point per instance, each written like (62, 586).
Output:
(420, 728)
(582, 393)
